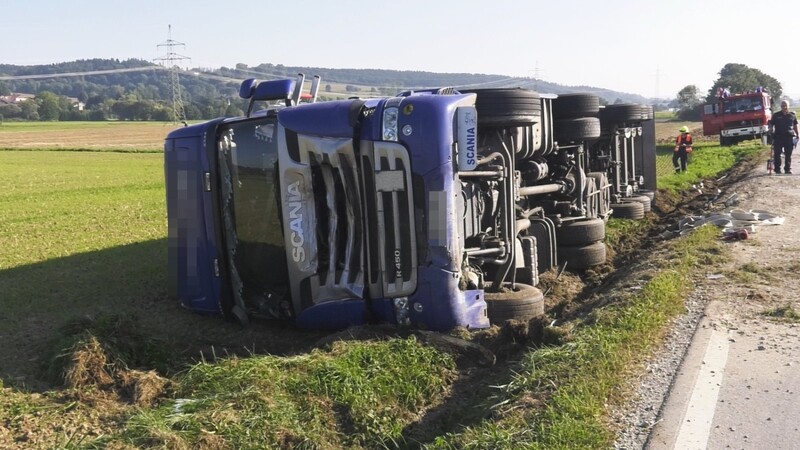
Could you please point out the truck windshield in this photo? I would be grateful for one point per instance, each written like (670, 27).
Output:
(248, 158)
(742, 105)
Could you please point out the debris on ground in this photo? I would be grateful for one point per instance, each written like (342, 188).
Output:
(736, 224)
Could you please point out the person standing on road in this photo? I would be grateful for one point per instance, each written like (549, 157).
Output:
(683, 146)
(783, 127)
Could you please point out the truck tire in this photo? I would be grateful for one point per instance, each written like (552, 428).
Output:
(647, 193)
(629, 210)
(643, 199)
(525, 302)
(584, 256)
(507, 107)
(649, 114)
(643, 112)
(625, 112)
(572, 130)
(571, 106)
(580, 232)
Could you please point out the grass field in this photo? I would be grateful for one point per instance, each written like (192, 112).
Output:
(91, 136)
(57, 204)
(83, 235)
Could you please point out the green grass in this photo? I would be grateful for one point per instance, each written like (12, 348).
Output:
(583, 376)
(665, 115)
(620, 231)
(82, 234)
(749, 273)
(56, 204)
(707, 161)
(785, 313)
(360, 394)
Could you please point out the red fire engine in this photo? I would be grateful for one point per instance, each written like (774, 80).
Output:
(737, 117)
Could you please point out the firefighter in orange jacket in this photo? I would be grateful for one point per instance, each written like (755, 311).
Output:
(683, 146)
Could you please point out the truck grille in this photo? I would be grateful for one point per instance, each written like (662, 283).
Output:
(392, 254)
(339, 227)
(743, 123)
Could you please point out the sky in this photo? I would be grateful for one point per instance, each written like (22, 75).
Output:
(651, 48)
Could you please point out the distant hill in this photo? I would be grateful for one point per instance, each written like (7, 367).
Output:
(410, 79)
(140, 90)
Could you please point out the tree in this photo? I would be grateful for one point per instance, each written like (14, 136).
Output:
(10, 111)
(233, 111)
(688, 97)
(49, 108)
(740, 78)
(30, 110)
(689, 103)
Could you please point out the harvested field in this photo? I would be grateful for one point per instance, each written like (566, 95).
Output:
(90, 136)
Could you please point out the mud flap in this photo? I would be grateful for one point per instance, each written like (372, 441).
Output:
(544, 230)
(527, 261)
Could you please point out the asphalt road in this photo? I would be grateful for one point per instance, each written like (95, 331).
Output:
(738, 385)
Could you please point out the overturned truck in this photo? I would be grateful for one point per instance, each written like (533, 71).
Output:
(435, 208)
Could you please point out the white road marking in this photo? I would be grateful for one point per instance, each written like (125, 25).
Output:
(696, 425)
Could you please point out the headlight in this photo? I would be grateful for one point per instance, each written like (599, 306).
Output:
(390, 124)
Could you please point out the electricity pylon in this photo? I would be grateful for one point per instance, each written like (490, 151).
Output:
(171, 60)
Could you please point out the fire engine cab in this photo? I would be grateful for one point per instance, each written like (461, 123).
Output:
(738, 117)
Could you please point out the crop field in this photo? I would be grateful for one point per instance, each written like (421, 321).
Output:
(90, 136)
(80, 234)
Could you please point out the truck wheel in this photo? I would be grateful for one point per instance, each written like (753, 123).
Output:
(524, 302)
(629, 210)
(572, 130)
(625, 112)
(580, 232)
(507, 107)
(643, 199)
(571, 106)
(643, 112)
(647, 193)
(648, 112)
(584, 256)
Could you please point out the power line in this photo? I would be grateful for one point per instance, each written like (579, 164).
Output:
(78, 74)
(172, 60)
